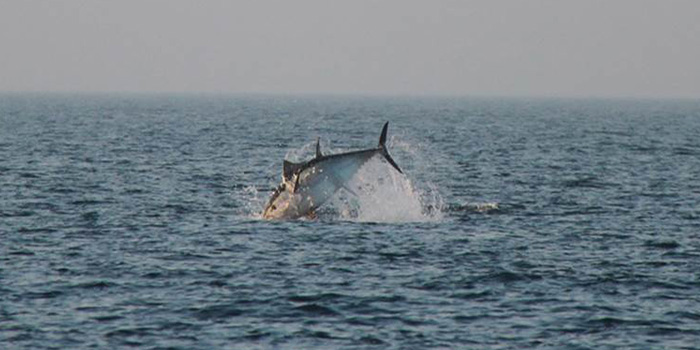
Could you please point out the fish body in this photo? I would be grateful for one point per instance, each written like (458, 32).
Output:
(308, 185)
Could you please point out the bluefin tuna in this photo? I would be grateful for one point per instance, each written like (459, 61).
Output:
(308, 185)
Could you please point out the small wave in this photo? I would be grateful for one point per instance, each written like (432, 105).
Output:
(662, 244)
(486, 207)
(255, 335)
(21, 253)
(44, 294)
(608, 322)
(316, 297)
(29, 176)
(314, 334)
(686, 151)
(370, 340)
(688, 315)
(17, 214)
(314, 309)
(478, 295)
(216, 312)
(88, 202)
(130, 332)
(94, 285)
(107, 318)
(506, 277)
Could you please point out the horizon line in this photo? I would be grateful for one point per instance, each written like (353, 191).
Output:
(352, 94)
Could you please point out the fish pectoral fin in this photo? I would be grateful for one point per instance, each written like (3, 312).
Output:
(296, 183)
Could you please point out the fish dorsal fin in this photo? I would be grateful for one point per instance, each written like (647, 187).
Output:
(318, 148)
(289, 169)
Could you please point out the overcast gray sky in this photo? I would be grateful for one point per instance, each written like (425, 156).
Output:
(541, 48)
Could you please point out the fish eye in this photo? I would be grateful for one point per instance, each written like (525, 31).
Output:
(273, 207)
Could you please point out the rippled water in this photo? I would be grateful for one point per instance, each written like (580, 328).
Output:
(132, 220)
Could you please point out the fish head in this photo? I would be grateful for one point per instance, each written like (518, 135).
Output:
(281, 205)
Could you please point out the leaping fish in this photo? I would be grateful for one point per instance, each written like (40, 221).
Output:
(306, 186)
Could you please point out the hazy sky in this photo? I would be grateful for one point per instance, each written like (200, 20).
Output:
(543, 48)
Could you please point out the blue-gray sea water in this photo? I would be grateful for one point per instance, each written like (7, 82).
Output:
(132, 221)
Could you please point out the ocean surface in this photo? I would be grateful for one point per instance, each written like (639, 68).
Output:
(133, 221)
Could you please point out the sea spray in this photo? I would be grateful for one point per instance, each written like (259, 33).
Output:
(253, 203)
(382, 195)
(387, 196)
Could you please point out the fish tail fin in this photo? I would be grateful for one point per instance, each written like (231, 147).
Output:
(391, 160)
(382, 137)
(385, 153)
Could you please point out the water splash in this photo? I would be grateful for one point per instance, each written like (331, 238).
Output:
(253, 203)
(487, 207)
(383, 195)
(481, 207)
